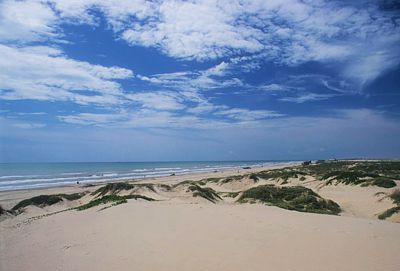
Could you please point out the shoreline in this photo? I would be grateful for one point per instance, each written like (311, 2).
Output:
(146, 175)
(7, 196)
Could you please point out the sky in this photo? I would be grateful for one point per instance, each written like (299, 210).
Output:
(170, 80)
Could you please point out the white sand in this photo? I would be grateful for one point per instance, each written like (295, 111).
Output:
(165, 236)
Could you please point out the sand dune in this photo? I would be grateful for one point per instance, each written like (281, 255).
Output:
(189, 229)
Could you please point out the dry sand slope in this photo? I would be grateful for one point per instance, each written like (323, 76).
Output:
(182, 236)
(203, 225)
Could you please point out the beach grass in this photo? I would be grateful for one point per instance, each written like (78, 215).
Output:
(395, 197)
(296, 198)
(389, 212)
(114, 199)
(204, 192)
(46, 200)
(231, 179)
(278, 174)
(209, 180)
(112, 188)
(229, 194)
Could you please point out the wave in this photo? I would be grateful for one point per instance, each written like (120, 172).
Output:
(12, 182)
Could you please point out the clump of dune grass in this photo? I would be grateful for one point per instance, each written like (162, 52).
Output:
(2, 210)
(186, 182)
(296, 198)
(112, 188)
(73, 196)
(389, 212)
(358, 178)
(384, 182)
(229, 194)
(46, 200)
(231, 179)
(204, 192)
(254, 177)
(364, 173)
(277, 174)
(165, 187)
(114, 199)
(395, 197)
(208, 180)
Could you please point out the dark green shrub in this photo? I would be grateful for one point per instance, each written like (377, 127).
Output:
(112, 188)
(204, 192)
(40, 201)
(293, 198)
(384, 182)
(395, 196)
(115, 199)
(389, 212)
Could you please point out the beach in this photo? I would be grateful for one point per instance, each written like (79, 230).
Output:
(181, 230)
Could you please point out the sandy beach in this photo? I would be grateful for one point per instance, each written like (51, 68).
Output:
(180, 231)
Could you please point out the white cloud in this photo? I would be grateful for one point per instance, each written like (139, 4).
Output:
(306, 97)
(248, 115)
(151, 117)
(273, 87)
(363, 41)
(158, 100)
(43, 73)
(25, 21)
(207, 79)
(92, 118)
(28, 125)
(289, 32)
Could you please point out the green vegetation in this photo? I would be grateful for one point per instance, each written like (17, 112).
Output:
(46, 200)
(348, 177)
(229, 194)
(389, 212)
(204, 192)
(292, 198)
(187, 182)
(115, 199)
(323, 168)
(395, 196)
(254, 177)
(358, 177)
(384, 182)
(208, 180)
(365, 173)
(71, 197)
(164, 186)
(387, 168)
(278, 174)
(114, 188)
(231, 178)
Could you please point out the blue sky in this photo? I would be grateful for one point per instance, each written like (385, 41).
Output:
(90, 80)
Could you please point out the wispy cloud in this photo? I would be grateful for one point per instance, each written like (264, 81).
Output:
(307, 97)
(44, 73)
(28, 125)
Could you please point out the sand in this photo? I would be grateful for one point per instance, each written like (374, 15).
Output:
(183, 233)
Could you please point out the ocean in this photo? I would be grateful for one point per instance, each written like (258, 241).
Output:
(15, 176)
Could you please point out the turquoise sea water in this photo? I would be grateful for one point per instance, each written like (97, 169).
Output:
(38, 175)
